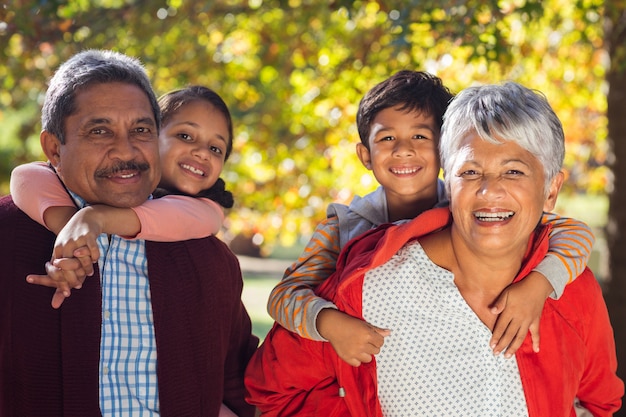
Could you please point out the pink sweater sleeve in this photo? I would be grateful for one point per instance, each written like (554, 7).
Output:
(175, 217)
(35, 188)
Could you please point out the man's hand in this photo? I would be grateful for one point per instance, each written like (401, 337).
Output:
(354, 340)
(519, 306)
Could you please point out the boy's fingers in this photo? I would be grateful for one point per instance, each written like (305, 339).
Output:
(534, 335)
(382, 332)
(498, 306)
(515, 344)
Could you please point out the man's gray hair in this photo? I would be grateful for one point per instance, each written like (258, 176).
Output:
(82, 70)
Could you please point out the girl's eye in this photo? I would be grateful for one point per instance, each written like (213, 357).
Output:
(216, 150)
(419, 137)
(185, 137)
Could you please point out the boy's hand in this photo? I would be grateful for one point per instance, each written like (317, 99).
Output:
(519, 306)
(354, 340)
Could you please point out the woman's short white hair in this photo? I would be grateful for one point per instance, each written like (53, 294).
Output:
(509, 112)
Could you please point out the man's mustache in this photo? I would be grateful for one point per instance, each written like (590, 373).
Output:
(122, 166)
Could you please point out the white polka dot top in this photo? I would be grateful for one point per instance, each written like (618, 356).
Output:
(437, 360)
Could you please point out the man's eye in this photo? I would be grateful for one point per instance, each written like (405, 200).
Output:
(142, 130)
(98, 131)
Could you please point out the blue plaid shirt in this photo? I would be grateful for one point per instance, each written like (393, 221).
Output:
(128, 378)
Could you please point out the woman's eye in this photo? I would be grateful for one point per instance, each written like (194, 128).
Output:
(468, 173)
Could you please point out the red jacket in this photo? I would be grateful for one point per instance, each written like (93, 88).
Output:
(290, 375)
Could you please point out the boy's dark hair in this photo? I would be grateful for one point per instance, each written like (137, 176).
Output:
(169, 104)
(407, 90)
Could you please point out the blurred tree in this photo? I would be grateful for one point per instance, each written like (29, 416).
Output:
(294, 71)
(615, 38)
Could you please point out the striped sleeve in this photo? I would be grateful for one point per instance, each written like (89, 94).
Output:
(571, 242)
(293, 303)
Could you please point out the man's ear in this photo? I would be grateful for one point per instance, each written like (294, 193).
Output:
(51, 146)
(553, 192)
(364, 155)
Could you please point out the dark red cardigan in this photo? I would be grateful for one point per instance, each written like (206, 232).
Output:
(49, 358)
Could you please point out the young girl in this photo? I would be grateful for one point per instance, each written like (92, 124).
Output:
(195, 140)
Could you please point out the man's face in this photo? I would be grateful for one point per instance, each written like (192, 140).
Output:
(110, 155)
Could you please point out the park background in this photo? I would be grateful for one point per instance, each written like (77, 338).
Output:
(293, 72)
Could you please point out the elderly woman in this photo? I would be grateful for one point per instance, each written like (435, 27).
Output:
(432, 281)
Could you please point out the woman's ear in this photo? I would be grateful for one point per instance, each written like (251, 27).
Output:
(51, 146)
(553, 192)
(364, 155)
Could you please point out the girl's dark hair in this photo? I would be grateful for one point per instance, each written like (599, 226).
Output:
(407, 90)
(217, 193)
(170, 103)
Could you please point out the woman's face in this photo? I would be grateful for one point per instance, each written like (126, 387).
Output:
(498, 195)
(193, 146)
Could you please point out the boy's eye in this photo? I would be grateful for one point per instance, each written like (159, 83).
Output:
(185, 137)
(386, 138)
(418, 136)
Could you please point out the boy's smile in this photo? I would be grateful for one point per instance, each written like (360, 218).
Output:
(403, 157)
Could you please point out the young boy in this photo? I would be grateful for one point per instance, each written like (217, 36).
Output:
(399, 122)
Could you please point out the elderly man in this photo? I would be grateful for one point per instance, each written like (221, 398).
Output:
(432, 282)
(160, 328)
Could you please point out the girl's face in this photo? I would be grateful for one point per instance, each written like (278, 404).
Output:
(193, 146)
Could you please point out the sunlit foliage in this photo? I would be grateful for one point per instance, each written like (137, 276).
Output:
(293, 72)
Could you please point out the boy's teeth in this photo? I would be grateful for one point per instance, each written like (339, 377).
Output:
(493, 217)
(403, 170)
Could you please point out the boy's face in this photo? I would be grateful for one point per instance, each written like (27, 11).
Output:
(193, 146)
(403, 154)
